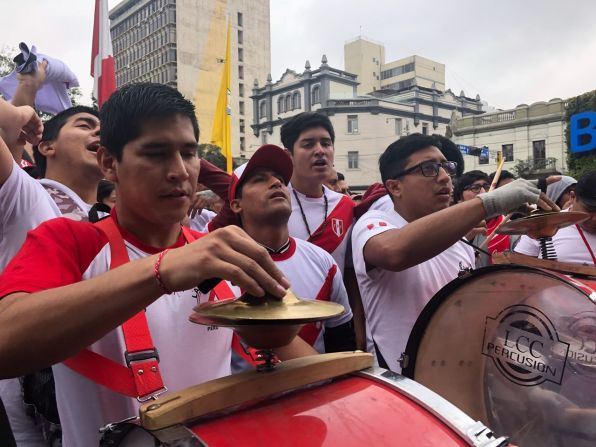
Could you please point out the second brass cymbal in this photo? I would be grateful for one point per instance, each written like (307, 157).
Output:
(542, 224)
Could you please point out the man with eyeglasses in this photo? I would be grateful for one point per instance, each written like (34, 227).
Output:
(403, 256)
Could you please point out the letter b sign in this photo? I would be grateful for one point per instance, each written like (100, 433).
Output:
(582, 128)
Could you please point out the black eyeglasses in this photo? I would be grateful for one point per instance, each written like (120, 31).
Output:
(431, 168)
(475, 188)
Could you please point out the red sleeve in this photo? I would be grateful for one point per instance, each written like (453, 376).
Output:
(55, 254)
(218, 181)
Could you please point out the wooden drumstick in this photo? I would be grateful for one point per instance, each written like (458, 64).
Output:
(500, 163)
(494, 232)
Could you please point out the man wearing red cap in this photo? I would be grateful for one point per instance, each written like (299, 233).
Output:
(259, 195)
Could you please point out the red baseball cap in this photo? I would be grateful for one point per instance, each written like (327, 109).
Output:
(268, 156)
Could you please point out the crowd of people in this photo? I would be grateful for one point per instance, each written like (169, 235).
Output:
(104, 257)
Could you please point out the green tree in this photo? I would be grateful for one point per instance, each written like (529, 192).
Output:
(582, 162)
(212, 154)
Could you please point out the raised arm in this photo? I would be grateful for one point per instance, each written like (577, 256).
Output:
(418, 241)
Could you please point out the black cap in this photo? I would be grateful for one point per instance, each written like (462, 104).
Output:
(585, 189)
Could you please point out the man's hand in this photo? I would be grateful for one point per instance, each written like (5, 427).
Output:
(228, 253)
(478, 229)
(21, 124)
(199, 202)
(511, 196)
(34, 79)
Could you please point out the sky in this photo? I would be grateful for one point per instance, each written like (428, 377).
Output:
(508, 51)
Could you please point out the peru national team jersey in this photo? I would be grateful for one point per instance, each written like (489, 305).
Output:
(62, 252)
(313, 274)
(393, 300)
(331, 235)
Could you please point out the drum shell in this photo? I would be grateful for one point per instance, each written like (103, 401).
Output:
(350, 411)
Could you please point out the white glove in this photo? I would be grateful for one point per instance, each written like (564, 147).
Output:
(510, 197)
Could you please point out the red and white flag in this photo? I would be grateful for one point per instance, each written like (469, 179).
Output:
(102, 56)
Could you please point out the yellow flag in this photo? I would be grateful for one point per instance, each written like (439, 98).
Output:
(221, 134)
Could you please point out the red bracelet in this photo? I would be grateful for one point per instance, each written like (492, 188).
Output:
(157, 275)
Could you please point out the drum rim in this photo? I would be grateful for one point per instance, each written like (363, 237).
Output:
(411, 352)
(475, 433)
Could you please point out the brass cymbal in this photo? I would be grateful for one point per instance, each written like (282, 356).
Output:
(251, 310)
(542, 224)
(265, 323)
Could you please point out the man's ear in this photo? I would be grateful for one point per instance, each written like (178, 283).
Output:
(107, 164)
(235, 206)
(46, 148)
(394, 187)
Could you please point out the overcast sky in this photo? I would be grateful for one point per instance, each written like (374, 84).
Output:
(508, 51)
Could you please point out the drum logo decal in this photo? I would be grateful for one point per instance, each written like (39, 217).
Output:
(525, 346)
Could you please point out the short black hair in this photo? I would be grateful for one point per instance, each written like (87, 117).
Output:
(504, 175)
(51, 130)
(340, 176)
(128, 109)
(466, 180)
(104, 189)
(395, 157)
(451, 152)
(291, 129)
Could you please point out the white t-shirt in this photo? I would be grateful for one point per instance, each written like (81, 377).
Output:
(189, 353)
(201, 220)
(568, 245)
(338, 227)
(383, 204)
(393, 300)
(24, 204)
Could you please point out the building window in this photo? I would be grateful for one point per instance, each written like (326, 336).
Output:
(240, 72)
(280, 105)
(507, 152)
(240, 37)
(352, 159)
(289, 102)
(353, 124)
(424, 128)
(240, 55)
(398, 126)
(240, 19)
(316, 94)
(262, 109)
(242, 144)
(539, 152)
(297, 104)
(241, 107)
(241, 125)
(241, 90)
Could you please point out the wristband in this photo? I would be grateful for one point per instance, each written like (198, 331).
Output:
(157, 275)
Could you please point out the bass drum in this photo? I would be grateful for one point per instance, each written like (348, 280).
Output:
(514, 347)
(371, 407)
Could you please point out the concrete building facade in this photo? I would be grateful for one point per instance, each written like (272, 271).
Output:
(533, 136)
(366, 59)
(364, 124)
(182, 43)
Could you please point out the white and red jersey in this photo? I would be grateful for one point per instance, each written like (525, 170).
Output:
(332, 234)
(63, 252)
(393, 300)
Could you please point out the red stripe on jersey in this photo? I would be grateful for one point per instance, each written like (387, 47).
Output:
(326, 236)
(55, 254)
(310, 332)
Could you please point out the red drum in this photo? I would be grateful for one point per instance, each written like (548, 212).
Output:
(372, 407)
(514, 347)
